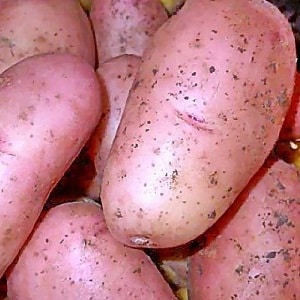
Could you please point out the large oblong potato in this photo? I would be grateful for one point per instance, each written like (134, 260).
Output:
(253, 251)
(203, 114)
(125, 26)
(79, 259)
(30, 27)
(49, 106)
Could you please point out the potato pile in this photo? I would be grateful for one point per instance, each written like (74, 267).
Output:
(148, 150)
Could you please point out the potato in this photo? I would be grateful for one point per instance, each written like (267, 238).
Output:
(81, 260)
(125, 26)
(253, 250)
(203, 114)
(117, 76)
(291, 126)
(84, 177)
(49, 106)
(30, 27)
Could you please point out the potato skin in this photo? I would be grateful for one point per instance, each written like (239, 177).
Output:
(79, 259)
(204, 112)
(291, 127)
(253, 252)
(50, 104)
(84, 177)
(30, 27)
(117, 75)
(125, 26)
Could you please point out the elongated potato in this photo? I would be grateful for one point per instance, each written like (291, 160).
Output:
(79, 259)
(291, 126)
(253, 250)
(49, 106)
(125, 26)
(203, 114)
(30, 27)
(84, 177)
(117, 75)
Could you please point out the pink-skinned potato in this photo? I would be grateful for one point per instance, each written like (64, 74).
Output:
(31, 27)
(79, 259)
(253, 252)
(204, 112)
(84, 177)
(291, 127)
(125, 26)
(117, 75)
(49, 106)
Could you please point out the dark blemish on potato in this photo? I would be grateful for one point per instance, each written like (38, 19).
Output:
(212, 214)
(213, 178)
(212, 69)
(154, 71)
(241, 50)
(286, 255)
(271, 254)
(118, 213)
(235, 77)
(154, 84)
(279, 185)
(137, 270)
(239, 270)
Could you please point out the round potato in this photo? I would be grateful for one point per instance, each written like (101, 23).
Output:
(253, 251)
(79, 259)
(49, 106)
(125, 26)
(204, 112)
(30, 27)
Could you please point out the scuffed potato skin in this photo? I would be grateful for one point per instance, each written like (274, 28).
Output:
(125, 26)
(79, 259)
(31, 27)
(49, 106)
(203, 114)
(253, 251)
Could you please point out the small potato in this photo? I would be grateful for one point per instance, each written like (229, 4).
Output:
(253, 251)
(30, 27)
(125, 26)
(79, 259)
(49, 106)
(204, 112)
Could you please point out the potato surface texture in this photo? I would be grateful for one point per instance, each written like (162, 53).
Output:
(79, 259)
(125, 26)
(291, 126)
(30, 27)
(204, 112)
(49, 106)
(252, 252)
(117, 75)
